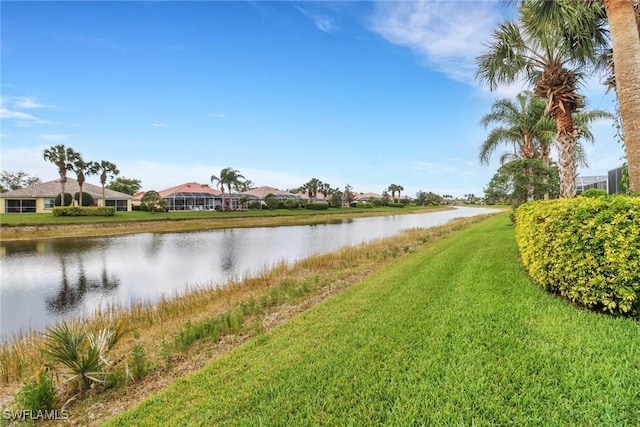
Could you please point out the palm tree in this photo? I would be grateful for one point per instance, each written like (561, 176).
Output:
(552, 58)
(625, 40)
(624, 29)
(229, 177)
(523, 126)
(63, 157)
(312, 187)
(393, 188)
(400, 188)
(107, 170)
(84, 169)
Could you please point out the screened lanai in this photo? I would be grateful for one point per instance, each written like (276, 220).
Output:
(188, 200)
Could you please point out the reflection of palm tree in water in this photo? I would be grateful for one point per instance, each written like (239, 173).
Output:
(69, 297)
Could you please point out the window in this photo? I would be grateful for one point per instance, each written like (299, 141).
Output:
(49, 203)
(120, 205)
(20, 206)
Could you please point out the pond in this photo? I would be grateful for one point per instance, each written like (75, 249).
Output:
(47, 280)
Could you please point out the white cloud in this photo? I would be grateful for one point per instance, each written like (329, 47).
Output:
(53, 138)
(218, 115)
(28, 102)
(21, 119)
(449, 35)
(324, 23)
(159, 125)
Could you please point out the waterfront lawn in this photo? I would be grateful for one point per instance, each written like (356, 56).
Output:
(454, 333)
(50, 219)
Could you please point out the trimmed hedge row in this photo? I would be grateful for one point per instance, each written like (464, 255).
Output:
(317, 206)
(585, 249)
(84, 211)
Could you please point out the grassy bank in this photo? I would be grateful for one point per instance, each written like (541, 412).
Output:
(176, 336)
(454, 333)
(41, 226)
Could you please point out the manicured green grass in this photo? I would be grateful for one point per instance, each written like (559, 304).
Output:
(454, 334)
(50, 219)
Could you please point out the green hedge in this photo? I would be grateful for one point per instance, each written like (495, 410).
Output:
(396, 205)
(585, 249)
(317, 206)
(84, 211)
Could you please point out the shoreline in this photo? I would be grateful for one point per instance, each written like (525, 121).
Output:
(99, 229)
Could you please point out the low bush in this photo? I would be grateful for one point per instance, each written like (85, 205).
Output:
(594, 192)
(84, 211)
(68, 199)
(37, 394)
(87, 199)
(585, 249)
(292, 204)
(396, 205)
(319, 206)
(255, 205)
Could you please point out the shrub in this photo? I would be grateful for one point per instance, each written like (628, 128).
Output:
(585, 249)
(81, 355)
(291, 204)
(87, 199)
(255, 205)
(68, 198)
(396, 205)
(37, 394)
(270, 201)
(594, 192)
(317, 206)
(376, 203)
(84, 211)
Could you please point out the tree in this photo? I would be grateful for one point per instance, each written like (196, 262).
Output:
(124, 185)
(312, 187)
(347, 195)
(229, 177)
(82, 170)
(151, 199)
(106, 169)
(325, 189)
(518, 180)
(428, 199)
(520, 124)
(624, 29)
(271, 201)
(16, 180)
(552, 58)
(63, 157)
(393, 188)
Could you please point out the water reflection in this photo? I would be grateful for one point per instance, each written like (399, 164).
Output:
(48, 280)
(70, 296)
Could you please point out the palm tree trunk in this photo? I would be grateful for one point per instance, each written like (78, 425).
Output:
(545, 153)
(626, 57)
(567, 154)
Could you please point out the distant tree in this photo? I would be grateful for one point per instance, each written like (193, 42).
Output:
(152, 199)
(347, 195)
(335, 199)
(325, 189)
(428, 199)
(125, 185)
(247, 185)
(63, 157)
(107, 169)
(271, 201)
(312, 187)
(82, 170)
(16, 180)
(228, 177)
(385, 198)
(519, 180)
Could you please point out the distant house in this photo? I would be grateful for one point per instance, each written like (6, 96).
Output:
(367, 197)
(262, 192)
(189, 196)
(39, 198)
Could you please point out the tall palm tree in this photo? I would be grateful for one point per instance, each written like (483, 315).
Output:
(521, 124)
(82, 170)
(393, 188)
(552, 58)
(106, 169)
(63, 157)
(625, 40)
(312, 187)
(229, 177)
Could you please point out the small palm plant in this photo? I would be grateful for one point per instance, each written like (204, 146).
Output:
(81, 354)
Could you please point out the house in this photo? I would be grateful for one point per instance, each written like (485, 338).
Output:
(190, 196)
(39, 198)
(262, 192)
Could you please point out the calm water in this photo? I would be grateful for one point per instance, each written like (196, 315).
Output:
(42, 281)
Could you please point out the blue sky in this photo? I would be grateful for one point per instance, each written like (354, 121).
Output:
(365, 93)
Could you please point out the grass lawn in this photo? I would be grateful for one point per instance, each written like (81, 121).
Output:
(453, 334)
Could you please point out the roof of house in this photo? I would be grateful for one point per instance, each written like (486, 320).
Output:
(52, 189)
(187, 188)
(262, 192)
(367, 196)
